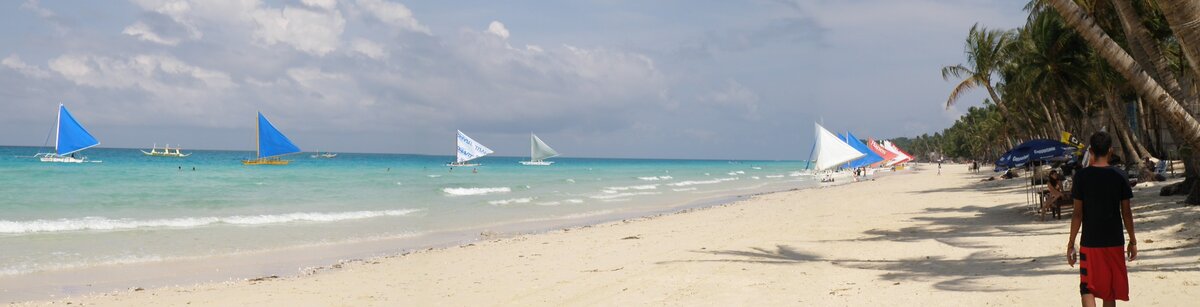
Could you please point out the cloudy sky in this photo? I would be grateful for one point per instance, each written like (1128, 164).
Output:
(594, 78)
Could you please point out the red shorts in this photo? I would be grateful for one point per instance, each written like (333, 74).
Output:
(1102, 273)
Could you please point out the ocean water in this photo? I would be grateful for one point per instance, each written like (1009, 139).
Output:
(132, 208)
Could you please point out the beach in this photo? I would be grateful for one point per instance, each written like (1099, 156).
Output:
(916, 237)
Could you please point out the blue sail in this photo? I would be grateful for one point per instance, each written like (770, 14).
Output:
(271, 142)
(72, 136)
(870, 156)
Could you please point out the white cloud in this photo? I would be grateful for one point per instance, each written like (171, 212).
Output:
(316, 33)
(146, 72)
(331, 89)
(368, 49)
(394, 14)
(323, 4)
(15, 63)
(143, 32)
(498, 29)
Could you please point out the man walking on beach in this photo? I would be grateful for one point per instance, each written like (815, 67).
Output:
(1102, 208)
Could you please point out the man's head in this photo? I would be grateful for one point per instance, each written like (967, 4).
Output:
(1100, 145)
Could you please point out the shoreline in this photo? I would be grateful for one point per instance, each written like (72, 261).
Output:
(926, 239)
(303, 260)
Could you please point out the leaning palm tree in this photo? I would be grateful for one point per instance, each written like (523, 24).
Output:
(1182, 123)
(1184, 18)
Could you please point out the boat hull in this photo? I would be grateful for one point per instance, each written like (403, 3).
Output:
(537, 163)
(167, 155)
(53, 158)
(266, 162)
(462, 164)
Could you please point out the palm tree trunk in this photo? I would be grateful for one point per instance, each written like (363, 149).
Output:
(1144, 49)
(1184, 18)
(1188, 129)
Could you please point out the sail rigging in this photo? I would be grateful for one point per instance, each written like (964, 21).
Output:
(271, 142)
(469, 149)
(869, 156)
(832, 151)
(71, 136)
(538, 150)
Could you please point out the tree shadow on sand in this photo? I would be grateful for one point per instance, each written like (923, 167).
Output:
(949, 274)
(1179, 250)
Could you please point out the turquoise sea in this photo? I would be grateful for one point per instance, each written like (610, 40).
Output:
(132, 208)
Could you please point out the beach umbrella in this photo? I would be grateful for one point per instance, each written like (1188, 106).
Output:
(1035, 150)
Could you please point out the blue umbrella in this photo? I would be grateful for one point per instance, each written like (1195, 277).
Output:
(1035, 150)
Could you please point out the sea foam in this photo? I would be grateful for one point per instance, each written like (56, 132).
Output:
(103, 223)
(696, 182)
(510, 201)
(475, 191)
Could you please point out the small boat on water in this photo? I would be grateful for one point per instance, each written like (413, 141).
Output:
(166, 152)
(70, 138)
(325, 155)
(468, 149)
(271, 145)
(538, 152)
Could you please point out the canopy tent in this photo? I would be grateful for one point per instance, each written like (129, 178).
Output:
(869, 156)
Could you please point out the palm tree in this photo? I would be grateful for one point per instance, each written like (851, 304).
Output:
(985, 55)
(1182, 123)
(1184, 18)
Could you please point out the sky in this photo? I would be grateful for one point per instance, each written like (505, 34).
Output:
(593, 78)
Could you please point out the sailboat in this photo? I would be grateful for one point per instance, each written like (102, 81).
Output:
(468, 150)
(831, 151)
(271, 145)
(325, 155)
(166, 152)
(538, 151)
(869, 156)
(70, 137)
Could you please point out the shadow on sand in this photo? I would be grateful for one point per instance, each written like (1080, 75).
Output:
(1179, 251)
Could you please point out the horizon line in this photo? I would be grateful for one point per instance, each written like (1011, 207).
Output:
(433, 155)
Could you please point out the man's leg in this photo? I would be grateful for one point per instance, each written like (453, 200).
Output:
(1088, 300)
(1110, 303)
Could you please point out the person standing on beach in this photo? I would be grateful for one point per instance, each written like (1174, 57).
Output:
(1101, 207)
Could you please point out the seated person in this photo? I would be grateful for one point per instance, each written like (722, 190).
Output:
(1054, 184)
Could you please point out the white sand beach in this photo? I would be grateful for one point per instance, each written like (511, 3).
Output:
(914, 238)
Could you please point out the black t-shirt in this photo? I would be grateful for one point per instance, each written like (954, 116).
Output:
(1101, 189)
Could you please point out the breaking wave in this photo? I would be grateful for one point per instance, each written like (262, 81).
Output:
(103, 223)
(510, 201)
(475, 191)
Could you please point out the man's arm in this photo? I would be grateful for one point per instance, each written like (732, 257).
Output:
(1076, 221)
(1127, 216)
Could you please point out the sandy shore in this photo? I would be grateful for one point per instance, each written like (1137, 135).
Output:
(917, 238)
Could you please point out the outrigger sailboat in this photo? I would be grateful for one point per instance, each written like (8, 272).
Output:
(70, 137)
(326, 155)
(468, 150)
(166, 152)
(271, 145)
(538, 151)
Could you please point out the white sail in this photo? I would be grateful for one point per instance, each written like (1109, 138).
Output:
(900, 156)
(469, 150)
(831, 151)
(538, 150)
